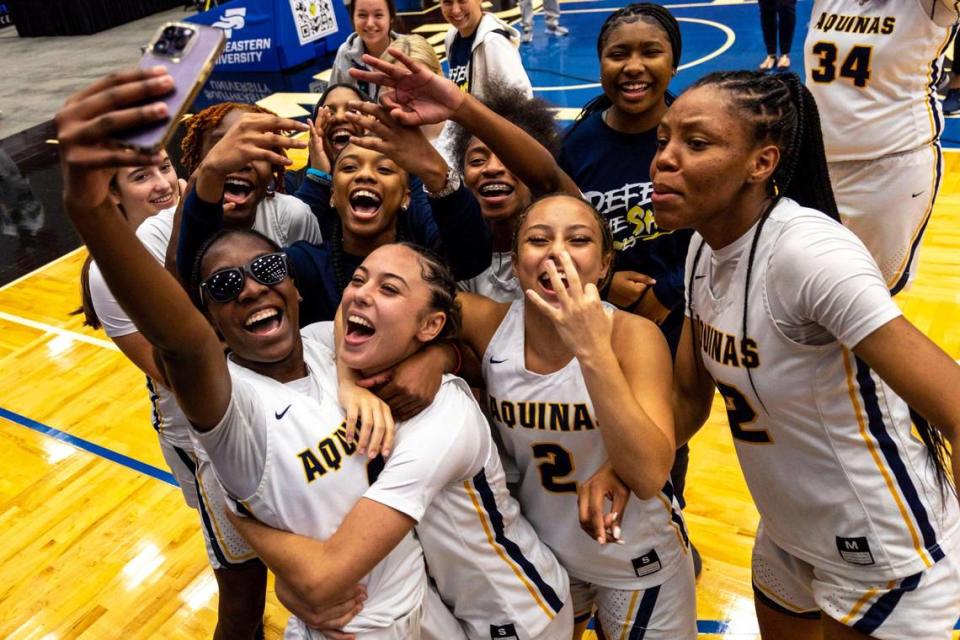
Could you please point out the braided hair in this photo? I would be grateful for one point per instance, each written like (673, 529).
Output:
(205, 121)
(646, 11)
(781, 110)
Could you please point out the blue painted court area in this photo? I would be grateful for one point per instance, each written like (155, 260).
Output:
(716, 37)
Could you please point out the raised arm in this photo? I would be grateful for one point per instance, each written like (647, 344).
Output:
(422, 97)
(920, 373)
(195, 364)
(626, 367)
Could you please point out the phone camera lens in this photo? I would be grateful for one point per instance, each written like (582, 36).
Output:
(160, 47)
(185, 32)
(180, 43)
(169, 32)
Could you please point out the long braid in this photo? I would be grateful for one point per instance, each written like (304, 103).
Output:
(341, 277)
(632, 13)
(205, 121)
(784, 112)
(777, 108)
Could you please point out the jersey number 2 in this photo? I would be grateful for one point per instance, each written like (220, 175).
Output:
(556, 464)
(856, 66)
(740, 415)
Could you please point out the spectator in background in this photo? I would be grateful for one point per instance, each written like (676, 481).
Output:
(777, 18)
(373, 22)
(551, 9)
(481, 49)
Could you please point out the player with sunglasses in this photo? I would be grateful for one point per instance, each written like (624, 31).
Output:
(274, 393)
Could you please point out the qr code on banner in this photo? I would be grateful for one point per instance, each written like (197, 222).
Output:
(314, 19)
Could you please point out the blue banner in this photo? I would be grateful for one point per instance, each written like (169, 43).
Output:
(272, 35)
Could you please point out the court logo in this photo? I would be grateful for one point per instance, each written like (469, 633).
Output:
(231, 19)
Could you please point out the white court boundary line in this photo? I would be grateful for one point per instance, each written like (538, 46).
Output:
(731, 38)
(60, 331)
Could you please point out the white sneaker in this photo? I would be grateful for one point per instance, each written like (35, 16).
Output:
(557, 30)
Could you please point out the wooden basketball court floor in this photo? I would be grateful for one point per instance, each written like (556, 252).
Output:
(97, 542)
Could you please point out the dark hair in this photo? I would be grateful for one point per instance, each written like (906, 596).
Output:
(193, 288)
(533, 115)
(779, 109)
(391, 9)
(361, 96)
(606, 236)
(208, 119)
(629, 14)
(443, 290)
(86, 307)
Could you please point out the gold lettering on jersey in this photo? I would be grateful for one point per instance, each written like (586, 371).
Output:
(725, 348)
(542, 416)
(328, 455)
(856, 24)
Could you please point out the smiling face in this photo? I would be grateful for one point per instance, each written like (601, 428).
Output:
(369, 190)
(261, 325)
(338, 130)
(244, 188)
(145, 191)
(463, 15)
(553, 225)
(499, 193)
(636, 66)
(387, 310)
(707, 165)
(371, 21)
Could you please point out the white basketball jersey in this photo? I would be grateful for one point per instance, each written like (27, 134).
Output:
(873, 67)
(547, 425)
(825, 445)
(489, 566)
(497, 282)
(312, 478)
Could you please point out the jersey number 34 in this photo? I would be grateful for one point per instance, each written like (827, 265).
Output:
(855, 67)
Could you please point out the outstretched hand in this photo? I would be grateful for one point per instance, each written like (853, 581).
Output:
(419, 97)
(581, 321)
(91, 116)
(405, 145)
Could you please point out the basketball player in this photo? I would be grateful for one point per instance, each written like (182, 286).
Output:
(873, 66)
(233, 404)
(562, 374)
(147, 196)
(789, 318)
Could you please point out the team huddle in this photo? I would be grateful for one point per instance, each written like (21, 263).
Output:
(440, 382)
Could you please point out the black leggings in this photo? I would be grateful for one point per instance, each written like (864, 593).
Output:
(778, 15)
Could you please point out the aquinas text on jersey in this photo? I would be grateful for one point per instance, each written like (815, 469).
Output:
(725, 348)
(542, 416)
(328, 455)
(856, 24)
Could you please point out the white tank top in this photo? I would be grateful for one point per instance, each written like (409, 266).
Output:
(547, 424)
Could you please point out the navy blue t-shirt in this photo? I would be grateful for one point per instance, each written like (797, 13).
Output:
(459, 60)
(613, 171)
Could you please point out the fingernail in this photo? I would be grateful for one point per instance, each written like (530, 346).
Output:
(372, 455)
(600, 539)
(614, 515)
(160, 109)
(158, 69)
(361, 450)
(386, 452)
(617, 533)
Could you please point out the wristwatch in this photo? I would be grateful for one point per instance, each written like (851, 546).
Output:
(451, 184)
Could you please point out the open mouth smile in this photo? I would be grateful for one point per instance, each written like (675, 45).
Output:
(237, 191)
(264, 322)
(358, 330)
(365, 203)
